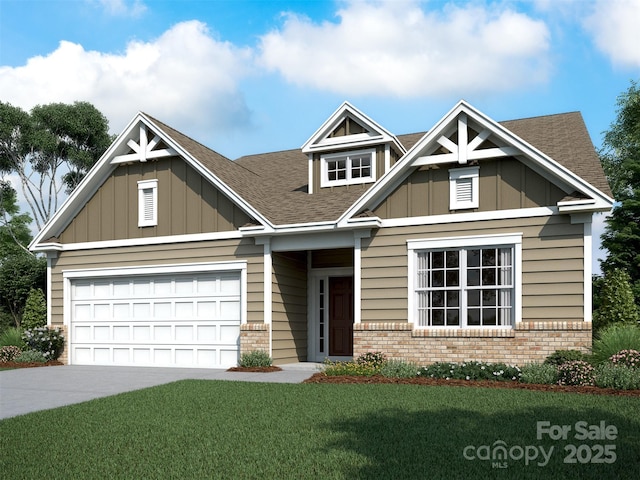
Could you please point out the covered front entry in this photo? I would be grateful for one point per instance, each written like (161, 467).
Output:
(331, 313)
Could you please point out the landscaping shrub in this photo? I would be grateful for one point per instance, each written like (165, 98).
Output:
(559, 357)
(30, 356)
(350, 368)
(616, 301)
(628, 358)
(615, 338)
(12, 336)
(540, 373)
(49, 342)
(372, 359)
(35, 310)
(9, 353)
(399, 369)
(619, 376)
(255, 358)
(577, 372)
(471, 371)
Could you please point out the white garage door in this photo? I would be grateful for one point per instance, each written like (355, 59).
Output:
(176, 320)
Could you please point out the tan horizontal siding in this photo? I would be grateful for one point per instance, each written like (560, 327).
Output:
(200, 252)
(289, 307)
(552, 266)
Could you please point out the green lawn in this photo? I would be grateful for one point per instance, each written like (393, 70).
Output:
(213, 429)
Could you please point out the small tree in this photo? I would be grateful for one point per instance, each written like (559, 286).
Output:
(616, 301)
(35, 310)
(18, 275)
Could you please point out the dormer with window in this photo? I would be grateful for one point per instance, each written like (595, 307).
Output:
(349, 149)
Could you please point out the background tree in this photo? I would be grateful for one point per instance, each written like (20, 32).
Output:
(50, 150)
(620, 158)
(15, 234)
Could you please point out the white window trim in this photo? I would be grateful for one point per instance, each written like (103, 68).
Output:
(510, 239)
(324, 170)
(456, 174)
(142, 186)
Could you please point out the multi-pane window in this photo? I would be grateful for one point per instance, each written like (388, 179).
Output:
(465, 287)
(348, 168)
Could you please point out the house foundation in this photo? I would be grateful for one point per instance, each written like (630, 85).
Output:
(527, 342)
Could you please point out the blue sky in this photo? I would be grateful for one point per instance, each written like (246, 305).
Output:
(252, 76)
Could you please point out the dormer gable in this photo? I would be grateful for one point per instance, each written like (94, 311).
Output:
(350, 149)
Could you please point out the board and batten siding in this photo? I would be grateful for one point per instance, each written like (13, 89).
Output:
(552, 266)
(187, 204)
(504, 184)
(166, 254)
(289, 307)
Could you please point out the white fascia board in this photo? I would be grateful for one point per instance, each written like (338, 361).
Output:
(369, 222)
(312, 241)
(470, 217)
(229, 265)
(48, 247)
(87, 187)
(595, 205)
(135, 242)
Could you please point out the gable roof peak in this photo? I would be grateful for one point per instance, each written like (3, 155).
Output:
(349, 127)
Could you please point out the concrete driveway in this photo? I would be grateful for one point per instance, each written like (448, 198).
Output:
(27, 390)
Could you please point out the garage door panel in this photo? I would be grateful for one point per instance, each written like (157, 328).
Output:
(164, 320)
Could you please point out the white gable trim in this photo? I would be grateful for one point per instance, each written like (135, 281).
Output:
(320, 140)
(105, 166)
(458, 117)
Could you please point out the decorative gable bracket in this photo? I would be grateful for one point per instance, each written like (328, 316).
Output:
(144, 150)
(464, 151)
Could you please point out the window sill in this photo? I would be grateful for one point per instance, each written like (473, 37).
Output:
(463, 332)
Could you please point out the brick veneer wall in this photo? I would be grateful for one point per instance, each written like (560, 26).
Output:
(254, 336)
(64, 358)
(527, 342)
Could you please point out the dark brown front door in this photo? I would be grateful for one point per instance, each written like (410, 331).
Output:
(341, 316)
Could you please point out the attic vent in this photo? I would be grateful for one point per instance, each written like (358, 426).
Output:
(463, 188)
(148, 203)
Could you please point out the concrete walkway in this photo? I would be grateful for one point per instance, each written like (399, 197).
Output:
(27, 390)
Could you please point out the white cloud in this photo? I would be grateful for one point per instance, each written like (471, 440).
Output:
(615, 26)
(123, 7)
(404, 50)
(184, 77)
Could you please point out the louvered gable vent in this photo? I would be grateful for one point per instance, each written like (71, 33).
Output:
(463, 184)
(147, 203)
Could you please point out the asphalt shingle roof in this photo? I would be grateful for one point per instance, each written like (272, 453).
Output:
(276, 183)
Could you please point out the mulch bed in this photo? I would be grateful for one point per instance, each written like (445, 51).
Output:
(273, 368)
(433, 382)
(50, 363)
(343, 379)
